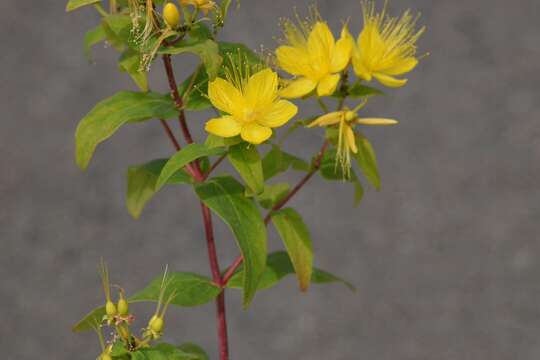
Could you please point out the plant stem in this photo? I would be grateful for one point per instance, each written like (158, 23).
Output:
(177, 98)
(207, 216)
(316, 165)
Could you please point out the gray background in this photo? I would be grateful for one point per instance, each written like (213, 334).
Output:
(445, 257)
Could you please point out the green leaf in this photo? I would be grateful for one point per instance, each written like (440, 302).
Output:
(277, 161)
(182, 158)
(245, 158)
(200, 32)
(191, 289)
(295, 235)
(118, 29)
(93, 37)
(90, 320)
(141, 184)
(272, 194)
(359, 90)
(225, 196)
(119, 350)
(130, 62)
(238, 51)
(207, 50)
(278, 265)
(356, 91)
(163, 352)
(110, 114)
(367, 161)
(75, 4)
(214, 141)
(196, 351)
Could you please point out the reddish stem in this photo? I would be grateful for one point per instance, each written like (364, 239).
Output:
(316, 165)
(207, 216)
(215, 165)
(177, 98)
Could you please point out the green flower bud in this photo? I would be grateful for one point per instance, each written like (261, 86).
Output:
(156, 324)
(123, 307)
(171, 15)
(110, 308)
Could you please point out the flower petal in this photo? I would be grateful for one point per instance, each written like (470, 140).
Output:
(390, 81)
(298, 88)
(327, 86)
(279, 114)
(321, 44)
(351, 139)
(261, 90)
(403, 66)
(376, 121)
(224, 96)
(293, 60)
(327, 119)
(255, 133)
(342, 51)
(225, 126)
(360, 69)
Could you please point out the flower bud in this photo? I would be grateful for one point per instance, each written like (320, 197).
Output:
(171, 15)
(350, 115)
(123, 307)
(156, 324)
(105, 357)
(110, 308)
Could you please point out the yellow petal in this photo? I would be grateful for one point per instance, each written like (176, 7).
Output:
(224, 96)
(293, 60)
(376, 121)
(360, 69)
(327, 86)
(225, 126)
(298, 88)
(255, 133)
(327, 119)
(402, 67)
(281, 112)
(390, 81)
(261, 90)
(321, 44)
(342, 51)
(351, 139)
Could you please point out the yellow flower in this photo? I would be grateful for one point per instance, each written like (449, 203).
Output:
(346, 120)
(386, 47)
(312, 54)
(252, 104)
(204, 5)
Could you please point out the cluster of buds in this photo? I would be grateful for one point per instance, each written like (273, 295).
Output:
(118, 316)
(167, 24)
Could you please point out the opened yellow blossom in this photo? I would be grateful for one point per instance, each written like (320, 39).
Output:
(252, 104)
(386, 47)
(312, 54)
(346, 120)
(203, 5)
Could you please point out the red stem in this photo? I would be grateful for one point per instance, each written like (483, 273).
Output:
(177, 98)
(207, 216)
(316, 165)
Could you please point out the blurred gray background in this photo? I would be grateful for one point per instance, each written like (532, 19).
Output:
(446, 258)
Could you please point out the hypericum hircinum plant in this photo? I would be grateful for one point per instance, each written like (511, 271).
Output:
(254, 100)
